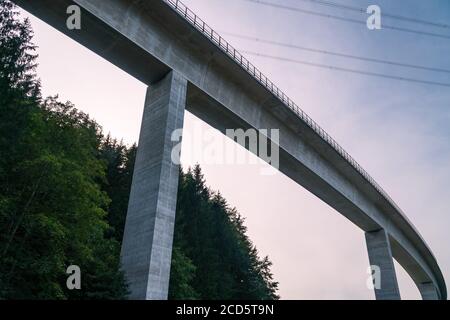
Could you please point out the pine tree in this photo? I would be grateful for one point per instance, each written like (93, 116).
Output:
(213, 237)
(52, 209)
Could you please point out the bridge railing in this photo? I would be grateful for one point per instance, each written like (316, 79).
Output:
(200, 25)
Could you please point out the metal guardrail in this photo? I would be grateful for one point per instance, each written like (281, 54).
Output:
(223, 45)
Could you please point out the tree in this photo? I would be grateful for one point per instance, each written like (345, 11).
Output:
(213, 237)
(18, 96)
(52, 209)
(17, 57)
(119, 161)
(181, 276)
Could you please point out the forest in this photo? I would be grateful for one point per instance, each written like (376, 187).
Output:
(64, 187)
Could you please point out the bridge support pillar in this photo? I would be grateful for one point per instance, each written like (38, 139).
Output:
(380, 258)
(148, 235)
(428, 291)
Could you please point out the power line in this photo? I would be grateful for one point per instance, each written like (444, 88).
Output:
(368, 73)
(330, 16)
(389, 15)
(338, 54)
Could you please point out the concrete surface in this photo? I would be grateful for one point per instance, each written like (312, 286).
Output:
(380, 255)
(148, 236)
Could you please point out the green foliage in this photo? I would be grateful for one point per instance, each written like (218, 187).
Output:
(213, 237)
(17, 57)
(119, 173)
(182, 274)
(54, 213)
(52, 209)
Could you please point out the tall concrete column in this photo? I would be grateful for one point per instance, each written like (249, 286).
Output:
(380, 255)
(148, 236)
(428, 291)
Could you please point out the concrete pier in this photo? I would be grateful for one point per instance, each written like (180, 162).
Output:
(148, 236)
(380, 254)
(428, 291)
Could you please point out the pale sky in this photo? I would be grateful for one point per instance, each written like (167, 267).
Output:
(398, 131)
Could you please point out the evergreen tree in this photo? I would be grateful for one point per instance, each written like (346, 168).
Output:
(52, 210)
(119, 173)
(213, 237)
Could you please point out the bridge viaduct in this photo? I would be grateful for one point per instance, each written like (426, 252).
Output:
(188, 66)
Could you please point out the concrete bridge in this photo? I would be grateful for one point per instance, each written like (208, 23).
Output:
(188, 66)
